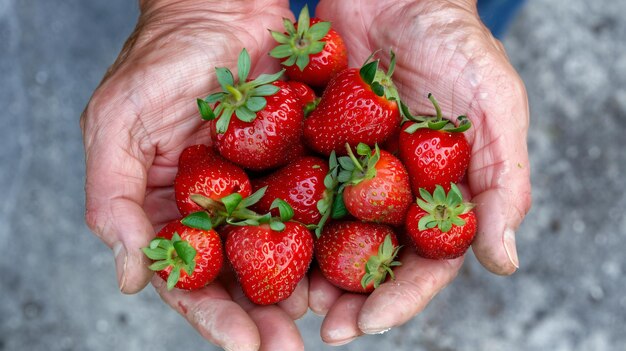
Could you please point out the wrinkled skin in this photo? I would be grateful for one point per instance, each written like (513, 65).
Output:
(143, 115)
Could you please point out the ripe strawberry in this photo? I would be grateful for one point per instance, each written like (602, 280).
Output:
(269, 118)
(358, 106)
(356, 256)
(441, 226)
(268, 263)
(300, 184)
(377, 186)
(311, 51)
(201, 171)
(434, 151)
(186, 258)
(306, 96)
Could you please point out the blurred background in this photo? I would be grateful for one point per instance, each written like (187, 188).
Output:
(57, 281)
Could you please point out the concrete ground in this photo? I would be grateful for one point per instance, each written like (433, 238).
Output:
(57, 283)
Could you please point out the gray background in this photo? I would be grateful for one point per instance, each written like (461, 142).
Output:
(57, 281)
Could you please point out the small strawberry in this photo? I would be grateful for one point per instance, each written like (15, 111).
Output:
(356, 256)
(376, 186)
(201, 171)
(300, 184)
(268, 118)
(358, 106)
(306, 96)
(441, 226)
(269, 260)
(311, 51)
(186, 258)
(434, 151)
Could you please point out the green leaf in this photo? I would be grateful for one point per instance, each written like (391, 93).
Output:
(224, 77)
(363, 149)
(231, 202)
(254, 198)
(205, 110)
(412, 128)
(439, 195)
(159, 266)
(378, 89)
(256, 103)
(290, 61)
(154, 243)
(392, 64)
(280, 37)
(243, 65)
(289, 27)
(339, 209)
(285, 210)
(281, 51)
(368, 72)
(268, 78)
(346, 163)
(302, 61)
(172, 279)
(304, 20)
(426, 222)
(264, 90)
(323, 205)
(155, 254)
(244, 114)
(185, 251)
(316, 47)
(198, 220)
(224, 121)
(332, 160)
(215, 97)
(344, 176)
(277, 226)
(329, 181)
(319, 30)
(426, 195)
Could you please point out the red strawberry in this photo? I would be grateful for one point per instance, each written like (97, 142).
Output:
(300, 184)
(201, 171)
(356, 256)
(255, 124)
(434, 151)
(358, 106)
(268, 263)
(306, 96)
(310, 50)
(186, 258)
(376, 186)
(441, 226)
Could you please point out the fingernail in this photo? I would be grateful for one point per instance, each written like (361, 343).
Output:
(342, 342)
(121, 260)
(509, 246)
(376, 331)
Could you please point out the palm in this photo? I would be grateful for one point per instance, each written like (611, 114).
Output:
(444, 49)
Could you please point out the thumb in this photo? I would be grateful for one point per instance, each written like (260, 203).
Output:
(115, 190)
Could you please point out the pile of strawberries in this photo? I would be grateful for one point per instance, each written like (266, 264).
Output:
(291, 177)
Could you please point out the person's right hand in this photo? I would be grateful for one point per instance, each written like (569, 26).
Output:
(139, 120)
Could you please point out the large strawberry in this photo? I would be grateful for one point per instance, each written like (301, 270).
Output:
(441, 225)
(256, 124)
(268, 263)
(300, 184)
(311, 51)
(358, 106)
(203, 172)
(186, 258)
(434, 150)
(356, 256)
(376, 186)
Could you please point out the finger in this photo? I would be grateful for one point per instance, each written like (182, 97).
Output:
(297, 304)
(499, 176)
(322, 294)
(417, 281)
(340, 324)
(115, 189)
(276, 327)
(213, 314)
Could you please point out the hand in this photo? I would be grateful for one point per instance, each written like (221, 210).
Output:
(139, 120)
(442, 48)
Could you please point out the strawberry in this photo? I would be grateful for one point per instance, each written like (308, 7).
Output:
(356, 256)
(268, 118)
(186, 258)
(434, 151)
(300, 184)
(441, 225)
(269, 263)
(201, 171)
(311, 51)
(306, 95)
(357, 106)
(376, 186)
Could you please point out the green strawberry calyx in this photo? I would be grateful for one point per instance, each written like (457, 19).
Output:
(297, 45)
(244, 98)
(331, 204)
(175, 253)
(233, 209)
(378, 266)
(380, 81)
(436, 122)
(442, 210)
(355, 170)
